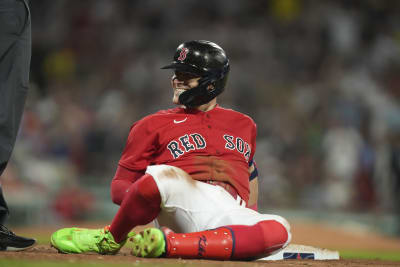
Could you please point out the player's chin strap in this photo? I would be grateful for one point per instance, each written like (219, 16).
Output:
(204, 93)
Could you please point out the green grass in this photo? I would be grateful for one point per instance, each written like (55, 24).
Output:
(370, 255)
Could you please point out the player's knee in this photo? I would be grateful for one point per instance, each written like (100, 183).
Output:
(276, 232)
(282, 221)
(286, 225)
(147, 189)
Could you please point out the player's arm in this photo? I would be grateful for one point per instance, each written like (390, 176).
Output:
(135, 158)
(122, 180)
(253, 180)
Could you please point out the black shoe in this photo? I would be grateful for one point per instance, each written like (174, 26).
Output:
(11, 242)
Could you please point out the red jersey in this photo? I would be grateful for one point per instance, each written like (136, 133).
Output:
(214, 145)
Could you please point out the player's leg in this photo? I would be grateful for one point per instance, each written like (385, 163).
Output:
(140, 206)
(210, 207)
(164, 188)
(269, 234)
(15, 54)
(186, 205)
(232, 242)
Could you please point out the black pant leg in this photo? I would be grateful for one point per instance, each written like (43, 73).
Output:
(3, 207)
(15, 56)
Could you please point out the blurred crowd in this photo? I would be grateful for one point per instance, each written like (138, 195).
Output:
(320, 78)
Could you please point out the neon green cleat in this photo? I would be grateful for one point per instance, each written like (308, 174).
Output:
(149, 243)
(82, 240)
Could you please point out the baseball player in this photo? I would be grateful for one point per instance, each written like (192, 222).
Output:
(191, 170)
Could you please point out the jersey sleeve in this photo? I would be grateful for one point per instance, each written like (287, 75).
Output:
(252, 164)
(253, 142)
(253, 170)
(140, 147)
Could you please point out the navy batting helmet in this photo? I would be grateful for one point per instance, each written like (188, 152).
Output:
(207, 60)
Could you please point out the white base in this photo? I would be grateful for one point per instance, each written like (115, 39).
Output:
(294, 251)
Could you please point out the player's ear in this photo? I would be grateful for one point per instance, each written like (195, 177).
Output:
(210, 87)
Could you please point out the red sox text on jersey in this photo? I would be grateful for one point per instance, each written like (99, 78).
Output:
(194, 141)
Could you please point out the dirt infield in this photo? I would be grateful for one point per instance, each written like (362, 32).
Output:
(303, 233)
(46, 253)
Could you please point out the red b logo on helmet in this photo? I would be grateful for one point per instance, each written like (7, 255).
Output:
(183, 54)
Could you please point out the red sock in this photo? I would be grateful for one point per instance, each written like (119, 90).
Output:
(216, 244)
(239, 242)
(258, 240)
(140, 206)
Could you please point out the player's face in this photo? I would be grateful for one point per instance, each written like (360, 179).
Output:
(181, 82)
